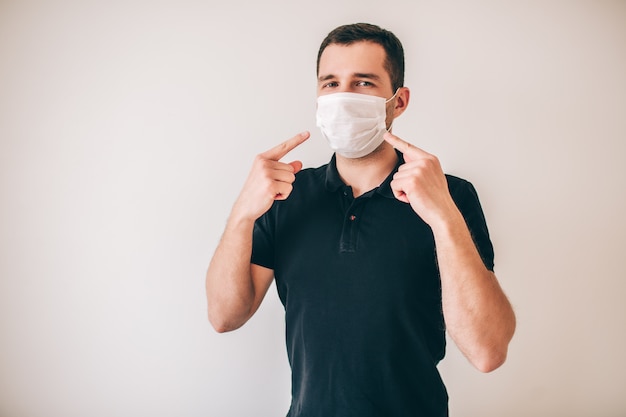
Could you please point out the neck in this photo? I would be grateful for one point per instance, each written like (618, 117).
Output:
(366, 173)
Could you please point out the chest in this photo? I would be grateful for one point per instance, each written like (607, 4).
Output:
(358, 249)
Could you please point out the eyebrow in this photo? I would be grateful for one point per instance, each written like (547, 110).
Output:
(355, 75)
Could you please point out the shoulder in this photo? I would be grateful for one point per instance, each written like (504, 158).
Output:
(312, 174)
(462, 191)
(307, 187)
(458, 185)
(309, 191)
(311, 178)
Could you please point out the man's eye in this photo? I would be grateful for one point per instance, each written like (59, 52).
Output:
(331, 84)
(364, 84)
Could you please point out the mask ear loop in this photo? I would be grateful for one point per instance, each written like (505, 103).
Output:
(394, 95)
(387, 101)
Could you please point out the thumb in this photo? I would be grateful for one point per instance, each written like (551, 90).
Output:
(297, 166)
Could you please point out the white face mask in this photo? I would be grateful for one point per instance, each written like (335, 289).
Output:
(353, 123)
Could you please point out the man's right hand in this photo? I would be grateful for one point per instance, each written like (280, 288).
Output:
(269, 180)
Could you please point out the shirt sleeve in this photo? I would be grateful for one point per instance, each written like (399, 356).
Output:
(466, 199)
(263, 242)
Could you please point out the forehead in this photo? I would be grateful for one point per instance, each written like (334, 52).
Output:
(359, 57)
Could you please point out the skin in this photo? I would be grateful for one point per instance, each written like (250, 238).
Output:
(478, 315)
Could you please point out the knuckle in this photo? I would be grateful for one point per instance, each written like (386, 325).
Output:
(258, 159)
(282, 147)
(263, 164)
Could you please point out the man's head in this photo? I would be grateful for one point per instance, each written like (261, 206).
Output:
(365, 32)
(359, 61)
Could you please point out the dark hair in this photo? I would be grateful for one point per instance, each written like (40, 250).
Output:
(358, 32)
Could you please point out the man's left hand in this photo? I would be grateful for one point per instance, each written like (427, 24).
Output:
(420, 181)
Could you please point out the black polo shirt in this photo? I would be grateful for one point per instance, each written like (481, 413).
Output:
(360, 285)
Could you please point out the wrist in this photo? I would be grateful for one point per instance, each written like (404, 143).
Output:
(449, 224)
(240, 217)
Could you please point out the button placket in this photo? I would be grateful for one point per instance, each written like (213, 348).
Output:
(349, 233)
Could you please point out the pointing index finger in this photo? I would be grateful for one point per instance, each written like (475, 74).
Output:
(404, 146)
(284, 148)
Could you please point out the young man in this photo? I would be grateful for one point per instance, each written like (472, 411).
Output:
(375, 254)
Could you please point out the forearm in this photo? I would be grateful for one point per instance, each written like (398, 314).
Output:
(478, 316)
(235, 287)
(229, 286)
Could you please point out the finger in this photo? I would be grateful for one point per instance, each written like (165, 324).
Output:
(398, 192)
(405, 147)
(297, 166)
(401, 196)
(270, 164)
(284, 148)
(283, 190)
(283, 175)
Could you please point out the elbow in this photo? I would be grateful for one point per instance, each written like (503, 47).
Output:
(493, 354)
(224, 321)
(220, 325)
(227, 312)
(490, 360)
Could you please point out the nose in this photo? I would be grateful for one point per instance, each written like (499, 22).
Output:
(345, 87)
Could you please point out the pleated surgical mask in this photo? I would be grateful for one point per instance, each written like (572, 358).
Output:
(352, 123)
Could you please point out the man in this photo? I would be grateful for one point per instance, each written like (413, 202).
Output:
(375, 254)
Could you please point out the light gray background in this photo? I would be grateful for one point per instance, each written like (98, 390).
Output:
(128, 127)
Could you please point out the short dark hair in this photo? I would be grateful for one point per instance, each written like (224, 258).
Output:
(358, 32)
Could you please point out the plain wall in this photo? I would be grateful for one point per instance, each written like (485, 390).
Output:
(128, 127)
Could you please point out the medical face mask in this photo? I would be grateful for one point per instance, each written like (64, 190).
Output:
(353, 123)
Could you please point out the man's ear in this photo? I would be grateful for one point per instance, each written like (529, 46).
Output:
(402, 101)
